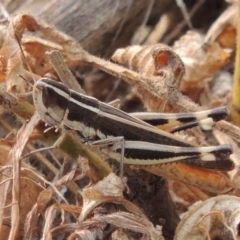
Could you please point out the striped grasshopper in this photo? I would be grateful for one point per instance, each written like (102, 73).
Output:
(129, 138)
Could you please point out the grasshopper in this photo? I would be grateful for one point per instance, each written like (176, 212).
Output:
(130, 138)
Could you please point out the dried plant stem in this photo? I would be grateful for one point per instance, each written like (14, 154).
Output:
(20, 107)
(235, 111)
(63, 71)
(72, 146)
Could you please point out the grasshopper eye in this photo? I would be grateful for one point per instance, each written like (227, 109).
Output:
(49, 97)
(52, 99)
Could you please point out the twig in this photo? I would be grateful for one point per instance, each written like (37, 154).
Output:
(63, 71)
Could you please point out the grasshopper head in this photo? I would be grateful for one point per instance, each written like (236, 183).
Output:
(51, 100)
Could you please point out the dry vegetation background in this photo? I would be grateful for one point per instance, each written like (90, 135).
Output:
(71, 192)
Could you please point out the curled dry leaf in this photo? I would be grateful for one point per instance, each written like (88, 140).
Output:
(215, 218)
(30, 61)
(132, 222)
(12, 67)
(223, 30)
(200, 61)
(156, 60)
(123, 221)
(103, 191)
(110, 189)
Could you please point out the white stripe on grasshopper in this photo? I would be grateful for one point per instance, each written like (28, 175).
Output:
(172, 116)
(167, 148)
(134, 161)
(59, 91)
(204, 153)
(93, 109)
